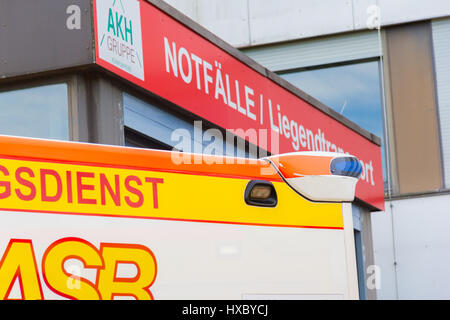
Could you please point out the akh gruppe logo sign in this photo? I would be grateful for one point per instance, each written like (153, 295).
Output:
(120, 36)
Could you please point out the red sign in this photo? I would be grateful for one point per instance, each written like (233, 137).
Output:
(195, 74)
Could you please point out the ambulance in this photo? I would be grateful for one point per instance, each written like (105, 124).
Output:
(87, 221)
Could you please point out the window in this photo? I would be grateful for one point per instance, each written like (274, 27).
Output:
(39, 112)
(148, 125)
(353, 90)
(441, 45)
(138, 140)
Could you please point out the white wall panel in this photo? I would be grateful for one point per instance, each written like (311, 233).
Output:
(188, 7)
(361, 14)
(422, 244)
(255, 22)
(441, 45)
(383, 250)
(226, 19)
(272, 21)
(401, 11)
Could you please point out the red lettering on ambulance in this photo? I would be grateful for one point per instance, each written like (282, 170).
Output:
(134, 191)
(25, 183)
(81, 186)
(5, 184)
(44, 195)
(104, 184)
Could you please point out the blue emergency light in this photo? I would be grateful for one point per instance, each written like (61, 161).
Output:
(346, 166)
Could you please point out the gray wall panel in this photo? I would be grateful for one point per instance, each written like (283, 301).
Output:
(34, 36)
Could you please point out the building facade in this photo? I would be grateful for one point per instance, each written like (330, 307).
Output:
(385, 65)
(383, 86)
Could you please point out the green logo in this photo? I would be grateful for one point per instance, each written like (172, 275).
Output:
(120, 27)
